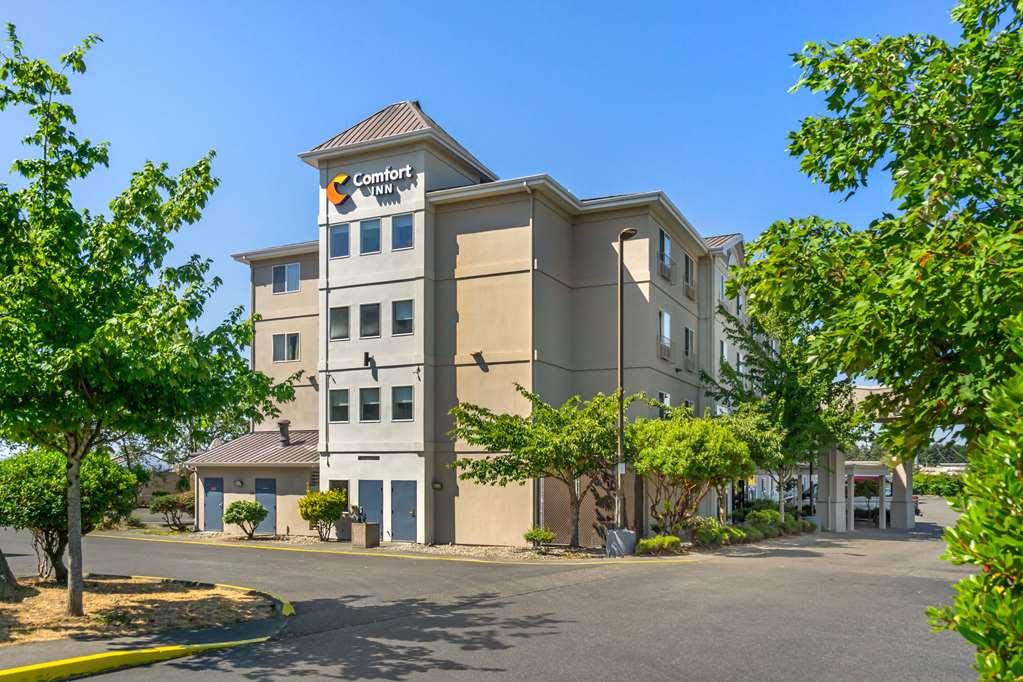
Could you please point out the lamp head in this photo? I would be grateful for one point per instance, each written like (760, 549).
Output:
(627, 233)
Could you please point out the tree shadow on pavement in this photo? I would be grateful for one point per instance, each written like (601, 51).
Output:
(351, 637)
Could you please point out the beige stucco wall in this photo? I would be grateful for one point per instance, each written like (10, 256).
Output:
(292, 483)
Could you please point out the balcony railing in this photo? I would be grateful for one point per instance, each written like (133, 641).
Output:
(664, 348)
(666, 267)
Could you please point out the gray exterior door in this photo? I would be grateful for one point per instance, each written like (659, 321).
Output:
(213, 504)
(266, 495)
(371, 499)
(403, 511)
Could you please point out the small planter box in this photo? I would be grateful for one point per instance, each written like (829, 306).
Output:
(366, 535)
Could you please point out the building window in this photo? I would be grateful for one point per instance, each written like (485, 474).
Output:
(721, 283)
(369, 320)
(401, 404)
(665, 403)
(286, 278)
(689, 269)
(690, 405)
(369, 236)
(721, 349)
(401, 318)
(369, 404)
(401, 232)
(285, 347)
(339, 404)
(339, 323)
(663, 335)
(339, 241)
(690, 343)
(664, 264)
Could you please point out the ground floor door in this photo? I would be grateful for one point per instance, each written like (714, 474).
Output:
(371, 500)
(213, 504)
(344, 526)
(403, 511)
(266, 495)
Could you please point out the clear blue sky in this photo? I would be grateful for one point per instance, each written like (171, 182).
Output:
(686, 97)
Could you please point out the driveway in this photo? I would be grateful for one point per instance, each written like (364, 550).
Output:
(830, 607)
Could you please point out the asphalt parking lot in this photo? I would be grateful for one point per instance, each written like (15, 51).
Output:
(830, 607)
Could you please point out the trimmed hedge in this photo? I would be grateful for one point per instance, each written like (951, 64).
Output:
(659, 544)
(539, 537)
(946, 485)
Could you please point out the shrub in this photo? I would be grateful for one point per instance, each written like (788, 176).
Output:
(807, 526)
(174, 507)
(739, 514)
(659, 544)
(764, 517)
(946, 485)
(539, 537)
(246, 514)
(752, 534)
(323, 509)
(706, 531)
(791, 524)
(731, 535)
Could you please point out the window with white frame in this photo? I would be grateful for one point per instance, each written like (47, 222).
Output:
(665, 403)
(369, 404)
(286, 347)
(369, 320)
(690, 343)
(721, 288)
(339, 323)
(401, 403)
(339, 404)
(690, 404)
(664, 327)
(369, 236)
(286, 278)
(340, 241)
(689, 269)
(402, 314)
(401, 232)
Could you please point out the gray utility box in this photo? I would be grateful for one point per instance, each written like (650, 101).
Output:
(366, 535)
(620, 542)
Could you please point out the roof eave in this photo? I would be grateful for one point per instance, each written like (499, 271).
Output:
(313, 157)
(300, 248)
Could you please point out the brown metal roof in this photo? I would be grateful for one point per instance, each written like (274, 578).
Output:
(397, 119)
(261, 447)
(720, 240)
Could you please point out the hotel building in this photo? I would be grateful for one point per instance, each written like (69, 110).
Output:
(432, 281)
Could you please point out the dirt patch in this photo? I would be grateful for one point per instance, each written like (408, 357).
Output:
(124, 606)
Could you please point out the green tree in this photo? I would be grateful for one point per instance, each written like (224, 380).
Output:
(797, 396)
(323, 509)
(246, 514)
(174, 507)
(98, 335)
(763, 440)
(919, 299)
(570, 443)
(988, 606)
(33, 495)
(683, 457)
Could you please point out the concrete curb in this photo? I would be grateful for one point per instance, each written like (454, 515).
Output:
(112, 660)
(107, 661)
(620, 561)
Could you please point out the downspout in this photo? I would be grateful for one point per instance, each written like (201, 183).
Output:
(538, 518)
(325, 384)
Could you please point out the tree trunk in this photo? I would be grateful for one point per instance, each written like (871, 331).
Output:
(782, 480)
(8, 583)
(574, 502)
(722, 496)
(75, 583)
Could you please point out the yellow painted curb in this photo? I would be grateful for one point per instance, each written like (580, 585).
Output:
(632, 561)
(112, 660)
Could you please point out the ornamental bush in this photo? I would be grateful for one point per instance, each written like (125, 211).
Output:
(174, 507)
(323, 509)
(988, 606)
(659, 544)
(946, 485)
(764, 517)
(246, 514)
(539, 537)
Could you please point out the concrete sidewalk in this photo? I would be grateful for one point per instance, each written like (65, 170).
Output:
(41, 652)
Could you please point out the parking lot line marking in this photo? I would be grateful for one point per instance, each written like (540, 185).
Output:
(418, 557)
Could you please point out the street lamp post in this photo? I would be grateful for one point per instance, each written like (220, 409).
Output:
(623, 236)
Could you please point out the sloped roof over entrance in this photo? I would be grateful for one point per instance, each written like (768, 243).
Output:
(261, 447)
(401, 120)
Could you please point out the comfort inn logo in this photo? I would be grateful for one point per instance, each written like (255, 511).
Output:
(334, 193)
